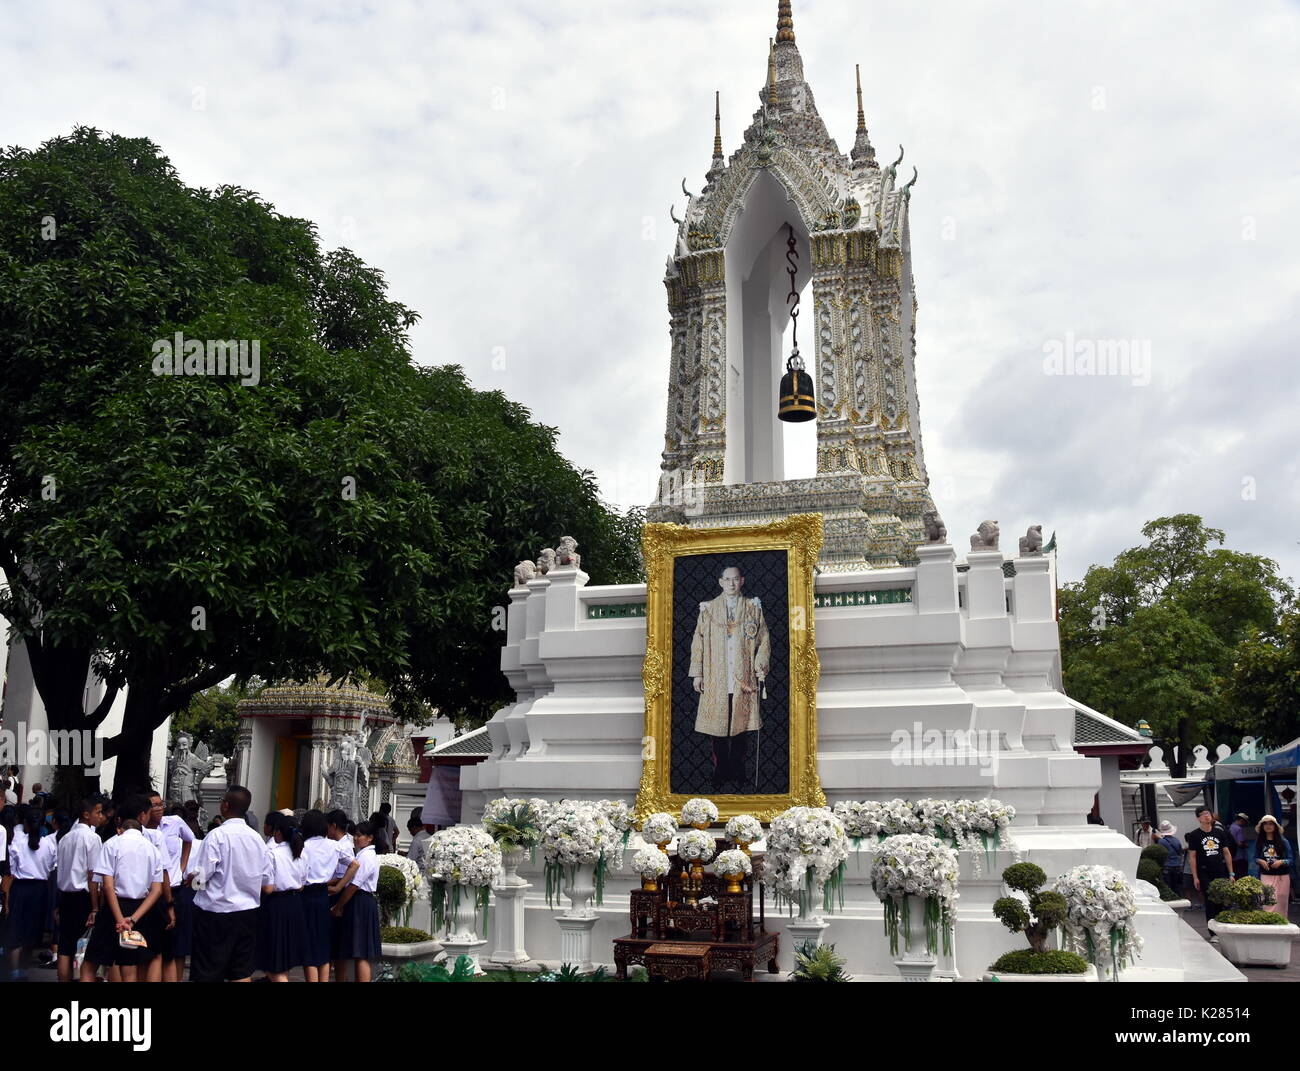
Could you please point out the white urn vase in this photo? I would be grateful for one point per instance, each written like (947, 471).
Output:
(917, 962)
(462, 929)
(511, 860)
(581, 890)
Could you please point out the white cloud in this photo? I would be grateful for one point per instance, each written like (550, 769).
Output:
(510, 167)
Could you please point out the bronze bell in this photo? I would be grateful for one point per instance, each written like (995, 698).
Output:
(797, 403)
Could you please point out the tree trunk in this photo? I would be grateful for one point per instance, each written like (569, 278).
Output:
(132, 746)
(1037, 937)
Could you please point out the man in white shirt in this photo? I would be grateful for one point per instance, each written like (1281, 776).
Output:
(228, 880)
(77, 854)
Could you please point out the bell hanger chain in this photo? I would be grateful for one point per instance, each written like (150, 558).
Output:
(791, 256)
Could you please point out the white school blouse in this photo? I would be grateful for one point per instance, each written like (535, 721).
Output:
(78, 852)
(322, 857)
(4, 844)
(343, 846)
(133, 863)
(367, 876)
(25, 864)
(282, 870)
(175, 833)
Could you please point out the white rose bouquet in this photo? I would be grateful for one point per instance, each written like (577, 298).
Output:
(696, 845)
(579, 833)
(806, 846)
(513, 823)
(916, 864)
(733, 863)
(651, 863)
(412, 880)
(659, 828)
(863, 820)
(898, 816)
(1099, 917)
(699, 812)
(744, 828)
(456, 858)
(620, 817)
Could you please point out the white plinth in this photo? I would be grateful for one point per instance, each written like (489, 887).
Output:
(575, 940)
(803, 930)
(457, 948)
(508, 921)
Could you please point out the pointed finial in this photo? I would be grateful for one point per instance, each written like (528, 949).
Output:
(771, 72)
(784, 21)
(862, 116)
(717, 123)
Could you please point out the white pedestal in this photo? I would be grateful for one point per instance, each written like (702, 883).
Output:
(916, 963)
(508, 920)
(947, 970)
(802, 930)
(575, 940)
(457, 948)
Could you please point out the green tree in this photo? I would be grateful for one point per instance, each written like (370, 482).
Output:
(350, 513)
(1154, 635)
(212, 717)
(1266, 681)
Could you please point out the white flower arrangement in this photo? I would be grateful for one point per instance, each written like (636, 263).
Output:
(650, 863)
(806, 845)
(732, 863)
(977, 826)
(413, 879)
(579, 833)
(513, 823)
(659, 828)
(696, 845)
(1100, 907)
(916, 864)
(744, 828)
(862, 819)
(462, 857)
(699, 812)
(619, 815)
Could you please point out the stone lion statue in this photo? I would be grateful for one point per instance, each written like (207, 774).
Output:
(1031, 543)
(524, 572)
(985, 537)
(567, 552)
(935, 532)
(545, 561)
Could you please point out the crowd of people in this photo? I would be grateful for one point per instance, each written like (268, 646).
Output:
(129, 890)
(1212, 851)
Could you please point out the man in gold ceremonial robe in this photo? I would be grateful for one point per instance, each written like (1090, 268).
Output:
(730, 654)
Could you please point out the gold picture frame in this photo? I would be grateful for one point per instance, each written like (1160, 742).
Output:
(800, 536)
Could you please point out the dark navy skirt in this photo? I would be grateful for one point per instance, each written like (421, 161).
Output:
(359, 933)
(29, 905)
(183, 934)
(281, 932)
(316, 916)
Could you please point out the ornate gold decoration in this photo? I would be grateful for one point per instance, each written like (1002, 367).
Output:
(800, 536)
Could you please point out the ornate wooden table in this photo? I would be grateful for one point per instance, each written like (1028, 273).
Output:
(677, 962)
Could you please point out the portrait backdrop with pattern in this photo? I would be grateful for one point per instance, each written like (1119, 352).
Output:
(695, 580)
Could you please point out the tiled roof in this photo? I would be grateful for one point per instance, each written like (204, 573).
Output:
(1093, 728)
(472, 743)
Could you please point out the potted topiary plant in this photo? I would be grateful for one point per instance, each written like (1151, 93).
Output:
(1248, 935)
(1036, 913)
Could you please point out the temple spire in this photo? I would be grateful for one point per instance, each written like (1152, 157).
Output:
(717, 125)
(784, 21)
(863, 154)
(771, 73)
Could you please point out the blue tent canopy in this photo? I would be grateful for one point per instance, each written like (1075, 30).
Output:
(1285, 759)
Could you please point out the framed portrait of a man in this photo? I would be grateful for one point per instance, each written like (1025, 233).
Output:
(731, 667)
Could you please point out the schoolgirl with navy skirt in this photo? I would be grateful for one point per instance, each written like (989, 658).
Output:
(282, 931)
(32, 858)
(131, 869)
(322, 857)
(359, 932)
(338, 830)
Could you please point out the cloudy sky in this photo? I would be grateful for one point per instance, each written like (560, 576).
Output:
(1088, 171)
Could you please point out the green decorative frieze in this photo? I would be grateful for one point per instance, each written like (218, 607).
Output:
(875, 597)
(600, 611)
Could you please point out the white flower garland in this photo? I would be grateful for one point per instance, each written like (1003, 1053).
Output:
(976, 826)
(1100, 908)
(916, 864)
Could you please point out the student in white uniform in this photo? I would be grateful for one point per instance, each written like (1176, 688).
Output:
(228, 890)
(77, 854)
(322, 856)
(32, 859)
(281, 927)
(337, 832)
(175, 838)
(356, 907)
(131, 870)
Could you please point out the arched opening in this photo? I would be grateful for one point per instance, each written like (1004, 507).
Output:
(758, 320)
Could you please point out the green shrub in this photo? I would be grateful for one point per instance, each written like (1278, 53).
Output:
(1252, 918)
(1157, 853)
(1149, 870)
(818, 963)
(390, 893)
(403, 935)
(1166, 893)
(569, 972)
(1024, 877)
(1027, 961)
(1244, 894)
(462, 971)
